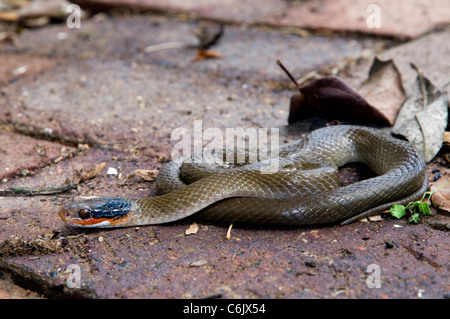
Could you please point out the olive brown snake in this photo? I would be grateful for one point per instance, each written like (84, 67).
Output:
(303, 191)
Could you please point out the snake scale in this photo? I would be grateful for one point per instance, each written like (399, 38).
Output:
(304, 190)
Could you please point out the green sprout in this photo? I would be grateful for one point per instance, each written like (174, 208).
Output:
(413, 209)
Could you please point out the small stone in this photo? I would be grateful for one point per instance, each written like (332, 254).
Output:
(112, 171)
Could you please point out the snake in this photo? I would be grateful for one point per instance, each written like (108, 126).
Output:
(295, 184)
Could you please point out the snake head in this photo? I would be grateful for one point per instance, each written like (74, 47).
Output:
(97, 212)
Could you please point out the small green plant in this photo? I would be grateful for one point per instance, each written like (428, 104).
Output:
(413, 209)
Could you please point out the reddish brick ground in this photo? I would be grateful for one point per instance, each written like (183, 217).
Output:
(71, 99)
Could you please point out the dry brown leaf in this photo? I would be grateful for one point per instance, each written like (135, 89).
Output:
(383, 89)
(147, 175)
(93, 172)
(332, 98)
(441, 197)
(193, 229)
(376, 218)
(203, 54)
(82, 175)
(422, 119)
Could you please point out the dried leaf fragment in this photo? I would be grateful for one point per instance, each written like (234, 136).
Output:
(228, 236)
(446, 138)
(383, 89)
(423, 117)
(193, 229)
(147, 175)
(93, 172)
(198, 263)
(376, 218)
(203, 54)
(441, 193)
(82, 175)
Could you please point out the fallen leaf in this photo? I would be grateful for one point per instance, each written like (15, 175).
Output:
(423, 117)
(193, 229)
(331, 97)
(376, 218)
(383, 89)
(93, 172)
(147, 175)
(203, 54)
(83, 175)
(441, 193)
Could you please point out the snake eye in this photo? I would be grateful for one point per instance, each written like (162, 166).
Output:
(84, 213)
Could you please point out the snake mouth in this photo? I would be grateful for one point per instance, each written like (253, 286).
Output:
(66, 217)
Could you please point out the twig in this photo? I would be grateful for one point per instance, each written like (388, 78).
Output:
(163, 46)
(30, 191)
(289, 75)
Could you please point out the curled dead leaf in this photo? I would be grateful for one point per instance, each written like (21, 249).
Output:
(441, 193)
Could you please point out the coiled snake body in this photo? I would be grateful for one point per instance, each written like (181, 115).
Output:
(303, 190)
